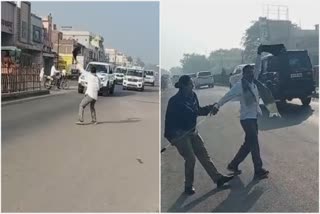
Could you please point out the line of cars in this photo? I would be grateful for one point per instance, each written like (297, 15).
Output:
(130, 78)
(201, 78)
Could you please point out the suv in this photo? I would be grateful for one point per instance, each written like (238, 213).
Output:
(150, 79)
(134, 78)
(105, 74)
(236, 75)
(119, 73)
(204, 78)
(287, 73)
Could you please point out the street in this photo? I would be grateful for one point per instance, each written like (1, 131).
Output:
(289, 150)
(49, 164)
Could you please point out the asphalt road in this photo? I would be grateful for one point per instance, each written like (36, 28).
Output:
(49, 164)
(289, 148)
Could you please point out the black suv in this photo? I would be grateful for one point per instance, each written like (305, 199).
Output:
(287, 73)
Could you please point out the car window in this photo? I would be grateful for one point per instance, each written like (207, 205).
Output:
(204, 74)
(299, 60)
(99, 68)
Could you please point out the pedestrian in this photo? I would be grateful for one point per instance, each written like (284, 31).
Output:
(91, 95)
(180, 130)
(247, 91)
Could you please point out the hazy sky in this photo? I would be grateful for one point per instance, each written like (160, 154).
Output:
(130, 27)
(205, 25)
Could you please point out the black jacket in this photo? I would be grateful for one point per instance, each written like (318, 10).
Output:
(181, 115)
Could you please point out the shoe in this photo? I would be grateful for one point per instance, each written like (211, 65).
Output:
(189, 190)
(224, 179)
(94, 122)
(80, 122)
(261, 174)
(233, 169)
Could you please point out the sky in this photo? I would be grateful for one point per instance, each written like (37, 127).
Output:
(205, 25)
(130, 27)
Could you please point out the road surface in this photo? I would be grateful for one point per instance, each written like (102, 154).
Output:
(289, 149)
(49, 164)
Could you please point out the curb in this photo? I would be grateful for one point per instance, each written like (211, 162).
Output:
(24, 94)
(28, 99)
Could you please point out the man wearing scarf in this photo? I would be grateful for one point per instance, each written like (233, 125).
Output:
(248, 92)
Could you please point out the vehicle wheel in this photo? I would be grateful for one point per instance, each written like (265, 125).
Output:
(124, 88)
(306, 101)
(142, 89)
(112, 89)
(80, 89)
(64, 84)
(281, 104)
(47, 84)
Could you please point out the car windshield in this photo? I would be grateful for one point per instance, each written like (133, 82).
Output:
(149, 73)
(100, 68)
(192, 75)
(136, 73)
(299, 60)
(204, 74)
(121, 70)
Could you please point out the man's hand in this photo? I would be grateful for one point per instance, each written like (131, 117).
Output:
(215, 109)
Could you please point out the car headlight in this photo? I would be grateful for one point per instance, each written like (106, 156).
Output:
(82, 77)
(103, 79)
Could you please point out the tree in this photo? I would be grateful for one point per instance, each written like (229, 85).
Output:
(192, 63)
(225, 59)
(176, 70)
(129, 58)
(251, 41)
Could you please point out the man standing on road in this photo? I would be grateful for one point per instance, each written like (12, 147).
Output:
(180, 130)
(91, 95)
(248, 93)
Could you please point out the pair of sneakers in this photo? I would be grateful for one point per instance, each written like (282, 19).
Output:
(81, 122)
(220, 182)
(260, 174)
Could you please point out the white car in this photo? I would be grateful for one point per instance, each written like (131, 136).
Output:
(236, 75)
(134, 79)
(204, 78)
(119, 73)
(150, 77)
(105, 74)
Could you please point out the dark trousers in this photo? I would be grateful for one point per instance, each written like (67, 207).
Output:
(190, 147)
(251, 144)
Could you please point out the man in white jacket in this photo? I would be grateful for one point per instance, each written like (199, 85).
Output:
(248, 93)
(91, 95)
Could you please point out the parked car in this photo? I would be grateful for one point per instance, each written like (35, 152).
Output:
(236, 75)
(105, 74)
(204, 78)
(134, 79)
(150, 77)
